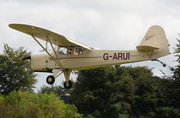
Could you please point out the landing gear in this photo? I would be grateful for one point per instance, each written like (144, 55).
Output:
(50, 79)
(67, 83)
(164, 65)
(68, 86)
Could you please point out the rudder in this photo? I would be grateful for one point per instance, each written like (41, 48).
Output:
(155, 40)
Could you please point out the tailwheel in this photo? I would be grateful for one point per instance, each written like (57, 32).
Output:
(68, 85)
(50, 79)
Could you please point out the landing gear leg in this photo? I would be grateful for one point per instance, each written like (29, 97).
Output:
(164, 65)
(67, 83)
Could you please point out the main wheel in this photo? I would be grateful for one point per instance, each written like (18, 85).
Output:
(69, 86)
(50, 79)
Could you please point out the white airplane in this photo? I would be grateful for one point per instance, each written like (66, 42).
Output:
(71, 55)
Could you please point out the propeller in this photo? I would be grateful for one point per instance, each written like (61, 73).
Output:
(25, 58)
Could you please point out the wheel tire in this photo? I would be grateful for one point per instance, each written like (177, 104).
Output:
(50, 79)
(68, 87)
(164, 65)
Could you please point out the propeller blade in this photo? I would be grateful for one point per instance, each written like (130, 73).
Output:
(25, 58)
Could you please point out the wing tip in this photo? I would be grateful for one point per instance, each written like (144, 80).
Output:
(10, 25)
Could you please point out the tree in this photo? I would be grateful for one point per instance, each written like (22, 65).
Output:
(169, 89)
(15, 74)
(118, 91)
(59, 90)
(103, 92)
(176, 70)
(171, 83)
(25, 104)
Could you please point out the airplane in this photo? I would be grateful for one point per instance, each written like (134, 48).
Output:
(69, 55)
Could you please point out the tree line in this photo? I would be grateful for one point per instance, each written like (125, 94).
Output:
(119, 91)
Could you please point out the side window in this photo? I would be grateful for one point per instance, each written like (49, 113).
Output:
(71, 51)
(63, 51)
(78, 51)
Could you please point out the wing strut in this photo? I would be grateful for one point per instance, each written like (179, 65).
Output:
(47, 51)
(59, 74)
(54, 51)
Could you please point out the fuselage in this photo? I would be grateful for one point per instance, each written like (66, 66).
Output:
(90, 59)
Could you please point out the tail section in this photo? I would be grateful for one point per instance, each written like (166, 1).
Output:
(155, 40)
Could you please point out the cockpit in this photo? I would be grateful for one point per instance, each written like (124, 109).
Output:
(70, 51)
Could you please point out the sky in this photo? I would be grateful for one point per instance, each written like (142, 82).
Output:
(103, 24)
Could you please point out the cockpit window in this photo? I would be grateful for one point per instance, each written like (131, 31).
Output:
(63, 51)
(78, 51)
(71, 51)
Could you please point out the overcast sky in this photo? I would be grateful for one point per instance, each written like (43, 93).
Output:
(104, 24)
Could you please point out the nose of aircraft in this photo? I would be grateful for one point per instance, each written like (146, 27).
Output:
(25, 58)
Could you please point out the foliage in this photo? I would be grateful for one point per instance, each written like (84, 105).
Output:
(162, 99)
(118, 91)
(14, 74)
(59, 90)
(27, 104)
(103, 91)
(176, 70)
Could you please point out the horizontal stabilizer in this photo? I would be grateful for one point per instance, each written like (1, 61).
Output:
(145, 48)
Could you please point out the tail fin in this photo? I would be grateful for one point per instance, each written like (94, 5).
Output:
(155, 40)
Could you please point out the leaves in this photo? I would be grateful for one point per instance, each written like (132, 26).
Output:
(27, 104)
(124, 92)
(97, 89)
(15, 74)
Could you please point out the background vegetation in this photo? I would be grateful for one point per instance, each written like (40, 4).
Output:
(29, 105)
(15, 74)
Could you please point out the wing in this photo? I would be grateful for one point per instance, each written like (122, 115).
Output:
(41, 33)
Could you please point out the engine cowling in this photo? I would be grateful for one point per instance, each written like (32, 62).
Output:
(39, 62)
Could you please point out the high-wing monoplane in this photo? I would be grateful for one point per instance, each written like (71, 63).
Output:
(69, 55)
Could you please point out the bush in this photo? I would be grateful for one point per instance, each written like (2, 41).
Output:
(27, 104)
